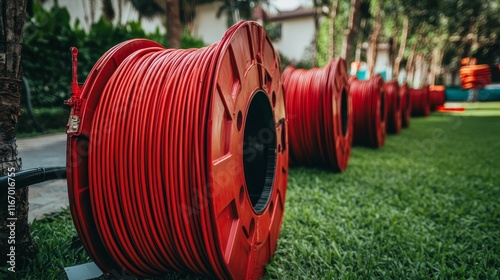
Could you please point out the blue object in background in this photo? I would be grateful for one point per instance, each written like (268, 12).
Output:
(489, 93)
(362, 75)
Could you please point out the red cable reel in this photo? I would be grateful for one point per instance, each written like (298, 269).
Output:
(437, 96)
(319, 111)
(369, 111)
(394, 107)
(406, 104)
(420, 101)
(177, 159)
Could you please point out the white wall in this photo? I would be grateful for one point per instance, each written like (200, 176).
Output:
(81, 10)
(296, 34)
(206, 25)
(296, 37)
(383, 64)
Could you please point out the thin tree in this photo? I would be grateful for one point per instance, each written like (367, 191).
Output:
(402, 47)
(12, 18)
(235, 10)
(373, 45)
(331, 28)
(174, 26)
(350, 32)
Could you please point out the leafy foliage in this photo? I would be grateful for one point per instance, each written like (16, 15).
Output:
(46, 59)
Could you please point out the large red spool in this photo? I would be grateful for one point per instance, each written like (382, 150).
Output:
(406, 104)
(394, 107)
(420, 101)
(319, 110)
(437, 96)
(369, 111)
(177, 159)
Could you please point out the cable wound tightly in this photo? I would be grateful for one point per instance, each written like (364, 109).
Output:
(420, 101)
(369, 111)
(394, 107)
(180, 162)
(319, 110)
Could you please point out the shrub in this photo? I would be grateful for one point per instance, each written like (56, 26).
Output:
(47, 62)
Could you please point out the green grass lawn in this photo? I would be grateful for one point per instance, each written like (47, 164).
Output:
(426, 205)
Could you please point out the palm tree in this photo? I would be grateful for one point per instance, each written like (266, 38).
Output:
(146, 9)
(151, 9)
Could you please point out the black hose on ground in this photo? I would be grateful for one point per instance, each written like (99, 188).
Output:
(25, 178)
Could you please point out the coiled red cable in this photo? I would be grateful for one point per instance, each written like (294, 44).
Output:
(437, 96)
(420, 101)
(369, 111)
(394, 107)
(179, 159)
(406, 104)
(319, 110)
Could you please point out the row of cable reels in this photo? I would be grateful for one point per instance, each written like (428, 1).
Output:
(177, 160)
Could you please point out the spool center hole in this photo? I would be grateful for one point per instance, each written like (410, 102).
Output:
(344, 111)
(259, 151)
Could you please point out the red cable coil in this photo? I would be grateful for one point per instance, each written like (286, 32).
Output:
(406, 104)
(179, 159)
(420, 101)
(394, 107)
(437, 96)
(369, 111)
(319, 111)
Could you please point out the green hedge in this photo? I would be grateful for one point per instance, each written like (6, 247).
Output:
(47, 62)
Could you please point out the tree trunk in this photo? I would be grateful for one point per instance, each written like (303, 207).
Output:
(333, 16)
(93, 8)
(436, 65)
(372, 48)
(314, 43)
(16, 244)
(352, 28)
(393, 48)
(424, 77)
(402, 47)
(359, 46)
(174, 27)
(120, 12)
(86, 17)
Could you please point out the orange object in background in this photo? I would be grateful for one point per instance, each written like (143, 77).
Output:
(475, 76)
(468, 61)
(450, 109)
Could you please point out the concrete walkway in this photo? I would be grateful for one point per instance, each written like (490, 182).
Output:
(45, 151)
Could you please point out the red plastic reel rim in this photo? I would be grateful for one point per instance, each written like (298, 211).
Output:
(78, 146)
(247, 151)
